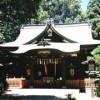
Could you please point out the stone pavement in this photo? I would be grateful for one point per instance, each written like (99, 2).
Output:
(46, 94)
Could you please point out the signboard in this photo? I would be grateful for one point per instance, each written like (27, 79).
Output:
(44, 52)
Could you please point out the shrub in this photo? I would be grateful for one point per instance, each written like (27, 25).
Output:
(97, 91)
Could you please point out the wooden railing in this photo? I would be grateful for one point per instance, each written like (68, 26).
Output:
(22, 82)
(78, 83)
(16, 82)
(37, 83)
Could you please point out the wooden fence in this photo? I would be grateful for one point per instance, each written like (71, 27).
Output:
(22, 82)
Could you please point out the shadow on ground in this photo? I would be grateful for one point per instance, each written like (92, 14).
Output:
(28, 97)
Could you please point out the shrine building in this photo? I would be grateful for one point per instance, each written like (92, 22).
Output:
(48, 56)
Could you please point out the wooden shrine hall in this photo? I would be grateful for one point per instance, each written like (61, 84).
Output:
(48, 56)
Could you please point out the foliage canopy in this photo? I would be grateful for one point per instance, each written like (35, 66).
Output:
(93, 13)
(13, 13)
(62, 11)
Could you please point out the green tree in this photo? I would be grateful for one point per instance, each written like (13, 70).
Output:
(13, 13)
(62, 11)
(93, 13)
(96, 55)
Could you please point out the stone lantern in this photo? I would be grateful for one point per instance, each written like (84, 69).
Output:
(91, 72)
(91, 65)
(91, 68)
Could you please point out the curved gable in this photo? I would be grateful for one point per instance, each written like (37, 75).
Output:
(51, 35)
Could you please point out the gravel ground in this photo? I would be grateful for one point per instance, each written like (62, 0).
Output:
(46, 94)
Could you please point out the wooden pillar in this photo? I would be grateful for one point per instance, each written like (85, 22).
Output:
(63, 73)
(32, 74)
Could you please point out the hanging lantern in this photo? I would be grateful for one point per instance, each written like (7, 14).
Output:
(28, 72)
(72, 70)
